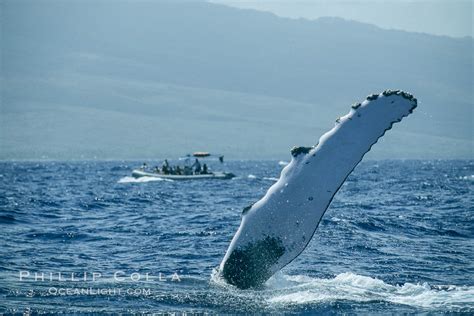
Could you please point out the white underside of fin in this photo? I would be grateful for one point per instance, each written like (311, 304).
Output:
(292, 208)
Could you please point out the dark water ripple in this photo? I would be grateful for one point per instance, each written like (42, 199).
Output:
(398, 237)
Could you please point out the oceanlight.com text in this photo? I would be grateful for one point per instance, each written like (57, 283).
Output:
(99, 291)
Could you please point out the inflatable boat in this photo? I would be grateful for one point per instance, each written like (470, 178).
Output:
(212, 175)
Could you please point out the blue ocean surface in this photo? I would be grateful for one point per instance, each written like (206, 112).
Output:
(85, 237)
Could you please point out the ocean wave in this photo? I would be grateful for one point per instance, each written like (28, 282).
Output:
(283, 292)
(469, 178)
(253, 177)
(299, 289)
(7, 219)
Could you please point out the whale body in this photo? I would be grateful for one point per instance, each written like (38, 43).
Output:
(277, 228)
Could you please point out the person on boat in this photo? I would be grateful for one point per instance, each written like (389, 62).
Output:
(156, 169)
(144, 166)
(165, 167)
(178, 170)
(204, 169)
(187, 170)
(197, 166)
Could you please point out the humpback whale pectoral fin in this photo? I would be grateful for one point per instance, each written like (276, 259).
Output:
(267, 239)
(296, 151)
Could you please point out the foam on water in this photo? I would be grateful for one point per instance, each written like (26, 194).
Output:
(299, 289)
(292, 291)
(141, 180)
(469, 178)
(253, 177)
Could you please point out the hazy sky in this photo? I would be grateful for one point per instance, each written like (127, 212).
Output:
(441, 17)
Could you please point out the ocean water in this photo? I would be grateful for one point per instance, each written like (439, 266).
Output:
(397, 238)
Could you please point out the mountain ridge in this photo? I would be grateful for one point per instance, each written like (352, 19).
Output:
(98, 56)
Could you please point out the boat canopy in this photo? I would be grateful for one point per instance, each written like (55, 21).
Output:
(201, 154)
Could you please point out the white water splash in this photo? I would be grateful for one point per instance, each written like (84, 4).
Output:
(251, 176)
(352, 287)
(141, 179)
(283, 163)
(469, 178)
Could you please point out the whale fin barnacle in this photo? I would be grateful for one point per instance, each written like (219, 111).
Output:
(357, 105)
(295, 151)
(247, 208)
(372, 97)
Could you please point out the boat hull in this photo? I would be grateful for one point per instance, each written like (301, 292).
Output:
(215, 175)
